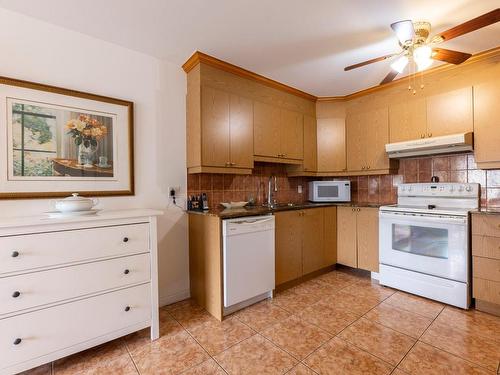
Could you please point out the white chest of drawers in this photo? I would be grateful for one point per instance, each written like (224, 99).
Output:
(69, 284)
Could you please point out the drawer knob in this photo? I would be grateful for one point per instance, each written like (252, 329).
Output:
(125, 239)
(15, 254)
(16, 294)
(17, 341)
(126, 272)
(127, 308)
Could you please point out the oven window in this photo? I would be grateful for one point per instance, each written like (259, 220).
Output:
(430, 242)
(328, 191)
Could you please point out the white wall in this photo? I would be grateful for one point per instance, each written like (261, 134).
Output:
(36, 51)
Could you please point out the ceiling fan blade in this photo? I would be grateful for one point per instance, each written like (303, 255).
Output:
(404, 31)
(377, 59)
(449, 56)
(471, 25)
(389, 77)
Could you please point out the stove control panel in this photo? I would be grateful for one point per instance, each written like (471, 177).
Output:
(449, 189)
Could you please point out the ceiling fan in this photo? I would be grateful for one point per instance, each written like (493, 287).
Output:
(416, 44)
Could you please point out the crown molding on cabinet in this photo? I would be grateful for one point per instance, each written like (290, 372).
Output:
(200, 57)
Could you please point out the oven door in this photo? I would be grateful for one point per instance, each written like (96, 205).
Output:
(431, 244)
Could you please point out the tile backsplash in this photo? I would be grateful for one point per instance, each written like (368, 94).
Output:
(377, 189)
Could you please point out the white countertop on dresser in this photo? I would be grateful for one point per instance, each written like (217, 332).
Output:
(18, 222)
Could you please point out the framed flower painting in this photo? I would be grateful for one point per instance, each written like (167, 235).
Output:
(57, 141)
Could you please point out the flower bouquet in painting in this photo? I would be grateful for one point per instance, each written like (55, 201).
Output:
(86, 133)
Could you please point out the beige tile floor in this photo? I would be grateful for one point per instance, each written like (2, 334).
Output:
(338, 323)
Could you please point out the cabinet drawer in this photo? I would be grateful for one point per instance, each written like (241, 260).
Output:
(46, 331)
(486, 290)
(486, 225)
(485, 268)
(27, 252)
(485, 246)
(40, 288)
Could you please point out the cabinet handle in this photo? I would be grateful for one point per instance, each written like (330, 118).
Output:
(126, 272)
(15, 254)
(17, 341)
(422, 135)
(125, 239)
(358, 209)
(368, 167)
(127, 308)
(233, 163)
(353, 209)
(429, 134)
(16, 294)
(363, 167)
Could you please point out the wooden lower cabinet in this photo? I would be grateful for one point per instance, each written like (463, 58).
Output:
(305, 242)
(486, 262)
(288, 246)
(346, 236)
(313, 243)
(357, 237)
(367, 232)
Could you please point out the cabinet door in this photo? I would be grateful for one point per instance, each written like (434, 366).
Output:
(310, 144)
(367, 229)
(215, 127)
(313, 256)
(356, 141)
(407, 120)
(376, 133)
(346, 236)
(330, 237)
(292, 135)
(241, 131)
(288, 246)
(266, 130)
(331, 145)
(487, 124)
(450, 112)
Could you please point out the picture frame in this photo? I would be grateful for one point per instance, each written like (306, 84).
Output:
(56, 141)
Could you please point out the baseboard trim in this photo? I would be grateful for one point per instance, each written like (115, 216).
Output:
(168, 299)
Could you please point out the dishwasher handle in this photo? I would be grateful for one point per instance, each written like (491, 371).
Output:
(253, 221)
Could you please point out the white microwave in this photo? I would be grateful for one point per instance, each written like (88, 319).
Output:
(330, 191)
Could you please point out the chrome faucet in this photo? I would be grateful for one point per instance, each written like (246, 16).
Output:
(271, 203)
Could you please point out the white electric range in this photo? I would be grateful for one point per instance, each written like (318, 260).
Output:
(424, 241)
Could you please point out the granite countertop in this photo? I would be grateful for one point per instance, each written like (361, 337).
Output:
(263, 210)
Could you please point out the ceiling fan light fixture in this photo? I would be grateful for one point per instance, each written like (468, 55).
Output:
(400, 64)
(422, 57)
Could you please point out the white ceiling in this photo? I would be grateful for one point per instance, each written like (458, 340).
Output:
(304, 44)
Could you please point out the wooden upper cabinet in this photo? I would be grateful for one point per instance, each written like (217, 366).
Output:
(292, 135)
(241, 132)
(266, 130)
(215, 127)
(487, 124)
(288, 246)
(356, 141)
(407, 120)
(450, 112)
(376, 137)
(367, 233)
(278, 133)
(331, 145)
(313, 253)
(310, 144)
(346, 236)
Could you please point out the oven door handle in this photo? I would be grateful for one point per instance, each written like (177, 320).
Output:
(423, 218)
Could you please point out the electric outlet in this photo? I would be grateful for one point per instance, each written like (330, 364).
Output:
(299, 189)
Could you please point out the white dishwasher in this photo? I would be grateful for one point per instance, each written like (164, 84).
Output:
(248, 258)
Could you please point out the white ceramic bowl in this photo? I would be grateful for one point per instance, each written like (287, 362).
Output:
(75, 203)
(234, 204)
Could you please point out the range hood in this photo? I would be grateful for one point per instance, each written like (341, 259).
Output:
(431, 146)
